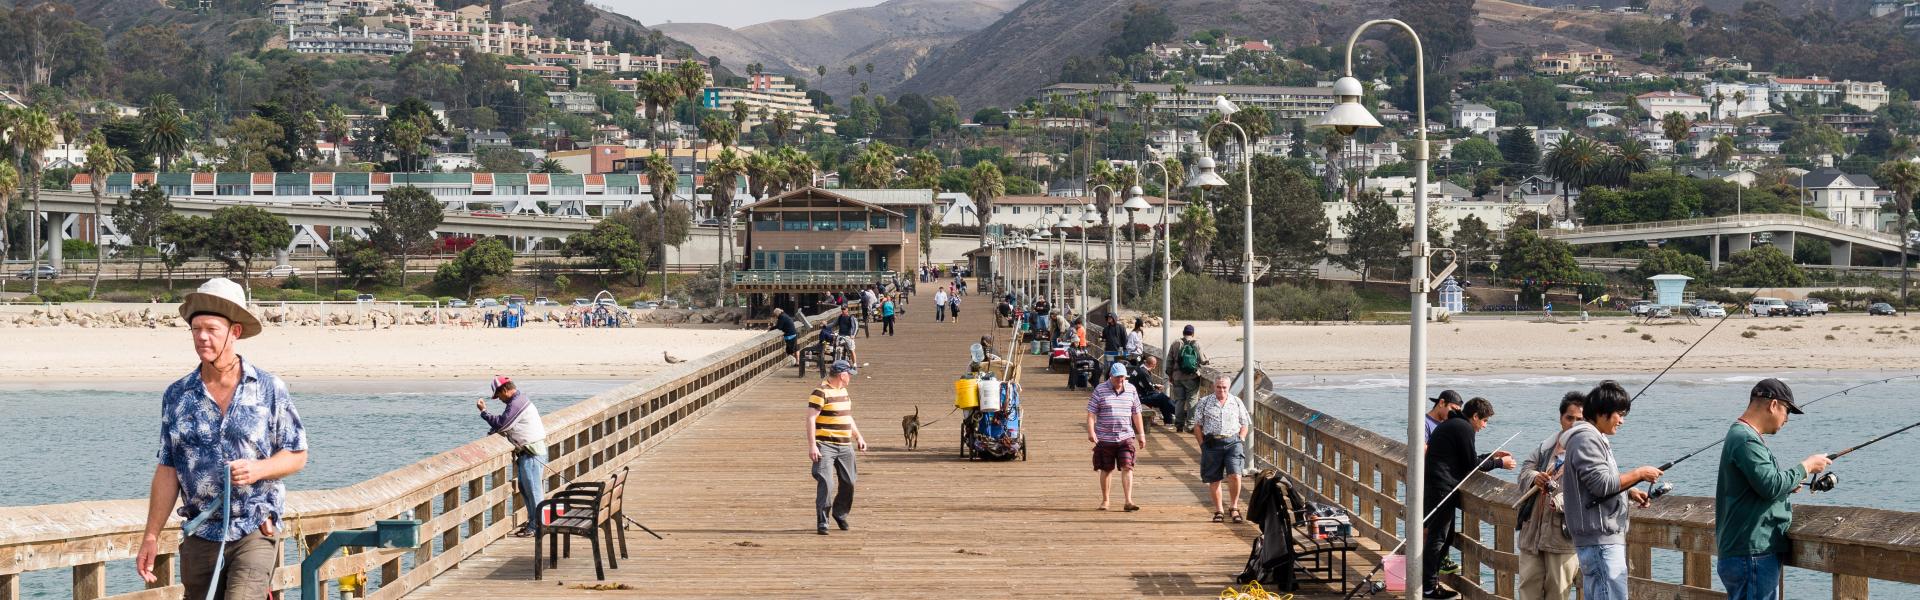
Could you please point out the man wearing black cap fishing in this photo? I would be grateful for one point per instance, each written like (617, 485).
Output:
(1451, 458)
(1444, 406)
(1750, 508)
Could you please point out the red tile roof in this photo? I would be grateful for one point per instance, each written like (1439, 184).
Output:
(538, 179)
(82, 179)
(596, 180)
(382, 179)
(322, 178)
(483, 178)
(142, 178)
(203, 179)
(263, 179)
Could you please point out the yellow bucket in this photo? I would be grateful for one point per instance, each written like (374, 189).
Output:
(966, 393)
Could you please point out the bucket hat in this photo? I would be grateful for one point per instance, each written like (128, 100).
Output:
(221, 296)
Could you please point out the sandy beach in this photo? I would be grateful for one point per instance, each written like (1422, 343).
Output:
(55, 354)
(1615, 345)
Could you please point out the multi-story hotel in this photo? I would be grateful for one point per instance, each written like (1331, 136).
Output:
(1283, 102)
(765, 96)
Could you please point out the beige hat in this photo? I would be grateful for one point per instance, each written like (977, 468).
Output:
(221, 296)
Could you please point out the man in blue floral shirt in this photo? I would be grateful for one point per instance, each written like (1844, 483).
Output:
(228, 428)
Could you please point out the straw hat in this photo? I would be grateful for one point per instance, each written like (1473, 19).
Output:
(221, 296)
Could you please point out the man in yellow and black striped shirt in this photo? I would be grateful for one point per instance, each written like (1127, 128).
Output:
(834, 438)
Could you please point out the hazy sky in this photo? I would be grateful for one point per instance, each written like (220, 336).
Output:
(731, 13)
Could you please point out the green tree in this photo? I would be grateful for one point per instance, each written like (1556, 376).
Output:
(31, 134)
(723, 174)
(138, 216)
(1669, 261)
(250, 145)
(1675, 127)
(403, 223)
(485, 258)
(1473, 240)
(1289, 223)
(1904, 178)
(1762, 266)
(609, 247)
(986, 185)
(569, 18)
(359, 260)
(102, 160)
(1538, 264)
(1722, 151)
(1373, 234)
(9, 183)
(179, 239)
(1576, 162)
(164, 130)
(1477, 151)
(239, 235)
(1521, 153)
(548, 165)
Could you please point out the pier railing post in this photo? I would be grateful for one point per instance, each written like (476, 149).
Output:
(89, 581)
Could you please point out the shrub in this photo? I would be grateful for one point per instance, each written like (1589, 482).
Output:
(417, 298)
(300, 296)
(345, 295)
(1751, 335)
(1205, 298)
(293, 282)
(30, 299)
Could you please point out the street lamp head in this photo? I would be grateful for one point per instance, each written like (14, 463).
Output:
(1090, 216)
(1225, 106)
(1208, 177)
(1136, 203)
(1347, 115)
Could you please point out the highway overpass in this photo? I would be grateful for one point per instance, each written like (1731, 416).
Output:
(1737, 233)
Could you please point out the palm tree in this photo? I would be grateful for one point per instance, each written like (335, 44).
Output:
(548, 165)
(1739, 100)
(1146, 101)
(1722, 150)
(1675, 128)
(872, 168)
(1198, 232)
(985, 184)
(1576, 162)
(1332, 145)
(1631, 156)
(657, 92)
(337, 127)
(102, 160)
(68, 124)
(1718, 98)
(720, 130)
(9, 183)
(32, 135)
(762, 169)
(662, 179)
(722, 174)
(782, 126)
(1904, 177)
(740, 116)
(798, 168)
(165, 135)
(924, 170)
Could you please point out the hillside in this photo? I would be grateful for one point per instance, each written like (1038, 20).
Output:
(894, 36)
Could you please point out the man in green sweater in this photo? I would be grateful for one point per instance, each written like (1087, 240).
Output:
(1750, 509)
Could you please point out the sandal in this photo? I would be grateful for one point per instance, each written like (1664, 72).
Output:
(1237, 516)
(1218, 517)
(1132, 507)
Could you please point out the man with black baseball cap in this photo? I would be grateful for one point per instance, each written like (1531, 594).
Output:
(1443, 407)
(1750, 508)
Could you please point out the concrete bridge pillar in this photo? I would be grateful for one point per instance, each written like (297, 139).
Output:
(1784, 240)
(1840, 254)
(1738, 243)
(281, 257)
(1713, 251)
(55, 233)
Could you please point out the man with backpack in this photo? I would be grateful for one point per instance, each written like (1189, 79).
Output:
(1184, 360)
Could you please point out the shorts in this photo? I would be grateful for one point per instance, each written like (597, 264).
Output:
(793, 344)
(1219, 459)
(1110, 455)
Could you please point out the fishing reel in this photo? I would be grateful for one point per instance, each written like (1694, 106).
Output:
(1367, 589)
(1824, 482)
(1659, 489)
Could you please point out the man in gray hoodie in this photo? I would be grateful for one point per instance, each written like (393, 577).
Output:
(520, 423)
(1593, 486)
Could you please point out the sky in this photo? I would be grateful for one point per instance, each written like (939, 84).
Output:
(731, 13)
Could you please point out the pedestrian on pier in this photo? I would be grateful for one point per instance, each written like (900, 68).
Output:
(940, 304)
(1184, 360)
(1219, 429)
(788, 331)
(1751, 514)
(1451, 458)
(520, 423)
(887, 310)
(1113, 424)
(1547, 564)
(833, 438)
(228, 484)
(1597, 493)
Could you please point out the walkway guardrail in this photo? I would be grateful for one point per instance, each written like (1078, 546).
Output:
(1748, 220)
(464, 495)
(848, 278)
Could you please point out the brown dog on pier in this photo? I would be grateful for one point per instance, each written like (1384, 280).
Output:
(910, 427)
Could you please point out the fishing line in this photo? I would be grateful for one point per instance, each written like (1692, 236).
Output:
(1825, 482)
(1683, 354)
(1366, 583)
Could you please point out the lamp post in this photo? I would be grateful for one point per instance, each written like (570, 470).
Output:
(1209, 178)
(1133, 205)
(1166, 260)
(1113, 286)
(1346, 117)
(1088, 216)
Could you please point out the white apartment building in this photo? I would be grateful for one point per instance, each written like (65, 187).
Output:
(1598, 120)
(309, 12)
(381, 41)
(1478, 118)
(1738, 100)
(1402, 188)
(1819, 90)
(1659, 104)
(767, 95)
(1849, 199)
(1197, 102)
(1026, 211)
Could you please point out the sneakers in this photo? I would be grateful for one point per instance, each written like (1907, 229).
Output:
(842, 522)
(1447, 566)
(822, 530)
(1439, 593)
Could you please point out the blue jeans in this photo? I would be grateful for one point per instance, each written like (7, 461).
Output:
(1603, 571)
(1755, 577)
(532, 481)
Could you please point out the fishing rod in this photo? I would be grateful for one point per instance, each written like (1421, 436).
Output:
(1367, 584)
(1683, 354)
(1663, 488)
(1825, 482)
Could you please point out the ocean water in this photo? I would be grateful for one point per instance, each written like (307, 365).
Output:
(1679, 414)
(97, 441)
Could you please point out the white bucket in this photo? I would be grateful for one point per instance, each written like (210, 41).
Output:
(989, 395)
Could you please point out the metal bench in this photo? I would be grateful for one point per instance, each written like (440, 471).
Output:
(590, 509)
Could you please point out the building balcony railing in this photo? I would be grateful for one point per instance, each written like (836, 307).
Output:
(810, 278)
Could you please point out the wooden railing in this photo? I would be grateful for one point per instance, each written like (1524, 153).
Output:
(1348, 466)
(465, 496)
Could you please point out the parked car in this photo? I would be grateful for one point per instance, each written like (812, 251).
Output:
(1640, 307)
(1798, 308)
(456, 303)
(486, 303)
(280, 271)
(1816, 306)
(544, 301)
(582, 302)
(645, 304)
(608, 302)
(363, 298)
(1767, 307)
(710, 222)
(1880, 308)
(40, 272)
(1709, 310)
(513, 299)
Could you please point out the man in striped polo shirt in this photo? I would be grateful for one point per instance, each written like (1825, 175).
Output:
(1113, 419)
(835, 436)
